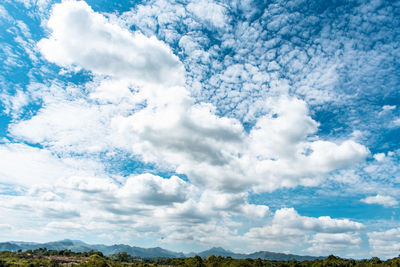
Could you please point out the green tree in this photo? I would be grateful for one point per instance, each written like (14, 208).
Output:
(123, 256)
(95, 260)
(258, 263)
(195, 261)
(212, 261)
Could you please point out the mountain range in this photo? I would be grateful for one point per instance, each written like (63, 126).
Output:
(157, 252)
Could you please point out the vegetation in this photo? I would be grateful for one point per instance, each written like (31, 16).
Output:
(43, 257)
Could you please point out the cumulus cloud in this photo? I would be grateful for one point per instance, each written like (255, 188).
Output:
(144, 192)
(278, 146)
(209, 11)
(151, 189)
(289, 218)
(100, 204)
(288, 228)
(379, 157)
(386, 201)
(83, 38)
(385, 243)
(323, 243)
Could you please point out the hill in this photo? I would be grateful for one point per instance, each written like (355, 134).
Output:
(157, 252)
(265, 255)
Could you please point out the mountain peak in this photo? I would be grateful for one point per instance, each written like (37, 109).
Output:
(219, 249)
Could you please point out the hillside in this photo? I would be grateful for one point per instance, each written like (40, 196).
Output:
(157, 252)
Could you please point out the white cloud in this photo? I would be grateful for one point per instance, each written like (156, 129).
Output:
(286, 151)
(25, 165)
(41, 4)
(154, 190)
(324, 243)
(89, 185)
(86, 39)
(388, 107)
(209, 11)
(13, 105)
(100, 204)
(396, 122)
(236, 203)
(6, 227)
(289, 218)
(379, 157)
(4, 14)
(385, 244)
(187, 135)
(289, 229)
(386, 201)
(67, 126)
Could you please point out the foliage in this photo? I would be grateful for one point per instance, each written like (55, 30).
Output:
(53, 258)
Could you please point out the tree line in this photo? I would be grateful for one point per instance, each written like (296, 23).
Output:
(54, 258)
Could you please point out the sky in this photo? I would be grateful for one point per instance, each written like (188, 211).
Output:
(248, 125)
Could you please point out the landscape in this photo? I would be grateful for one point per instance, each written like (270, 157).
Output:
(199, 133)
(80, 247)
(78, 253)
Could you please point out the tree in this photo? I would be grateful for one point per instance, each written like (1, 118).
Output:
(195, 261)
(212, 261)
(123, 256)
(258, 263)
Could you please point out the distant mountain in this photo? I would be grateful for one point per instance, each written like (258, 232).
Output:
(138, 251)
(79, 246)
(217, 251)
(273, 256)
(9, 246)
(265, 255)
(157, 252)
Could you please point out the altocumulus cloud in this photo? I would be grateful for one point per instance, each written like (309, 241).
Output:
(144, 101)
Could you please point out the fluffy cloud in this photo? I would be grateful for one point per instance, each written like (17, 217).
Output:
(323, 243)
(289, 218)
(288, 228)
(178, 210)
(154, 190)
(278, 147)
(386, 201)
(14, 104)
(39, 166)
(83, 38)
(66, 126)
(285, 152)
(379, 157)
(209, 11)
(385, 243)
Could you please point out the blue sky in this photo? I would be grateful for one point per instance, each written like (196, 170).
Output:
(249, 125)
